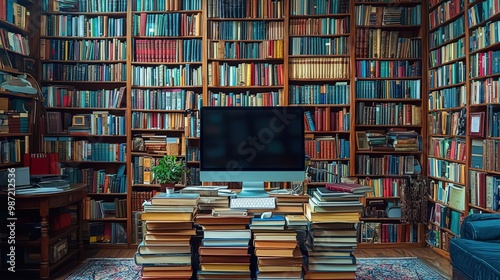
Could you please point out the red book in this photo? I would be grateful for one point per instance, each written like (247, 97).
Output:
(350, 188)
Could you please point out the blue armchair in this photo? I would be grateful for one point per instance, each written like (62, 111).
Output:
(476, 254)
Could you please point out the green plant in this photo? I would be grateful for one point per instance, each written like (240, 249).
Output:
(168, 170)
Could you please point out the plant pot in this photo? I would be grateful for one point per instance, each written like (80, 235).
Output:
(167, 188)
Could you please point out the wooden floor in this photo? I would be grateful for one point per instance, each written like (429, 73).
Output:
(427, 255)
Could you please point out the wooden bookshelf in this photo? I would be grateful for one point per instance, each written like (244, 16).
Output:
(482, 171)
(447, 145)
(17, 58)
(83, 52)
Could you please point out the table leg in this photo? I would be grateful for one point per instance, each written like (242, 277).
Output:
(44, 240)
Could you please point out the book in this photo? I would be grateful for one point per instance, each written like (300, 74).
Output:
(349, 188)
(175, 199)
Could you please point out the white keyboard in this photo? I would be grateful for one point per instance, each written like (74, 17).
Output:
(253, 203)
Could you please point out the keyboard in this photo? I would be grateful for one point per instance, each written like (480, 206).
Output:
(253, 202)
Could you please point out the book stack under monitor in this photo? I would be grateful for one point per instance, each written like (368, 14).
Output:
(278, 254)
(224, 248)
(165, 251)
(334, 217)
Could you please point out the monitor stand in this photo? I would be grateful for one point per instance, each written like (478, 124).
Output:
(252, 189)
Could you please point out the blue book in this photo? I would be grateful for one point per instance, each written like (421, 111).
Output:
(273, 220)
(177, 196)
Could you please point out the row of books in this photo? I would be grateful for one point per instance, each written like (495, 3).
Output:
(484, 154)
(388, 114)
(245, 74)
(97, 50)
(331, 147)
(98, 180)
(97, 123)
(484, 91)
(12, 150)
(266, 49)
(484, 36)
(14, 13)
(245, 30)
(447, 53)
(388, 69)
(319, 68)
(13, 122)
(484, 190)
(322, 119)
(62, 96)
(368, 15)
(319, 46)
(388, 89)
(387, 165)
(323, 7)
(145, 120)
(113, 72)
(448, 98)
(448, 193)
(484, 64)
(163, 50)
(14, 42)
(165, 99)
(447, 32)
(446, 217)
(166, 75)
(100, 209)
(378, 43)
(91, 6)
(328, 171)
(319, 26)
(337, 93)
(245, 9)
(482, 11)
(273, 98)
(82, 26)
(388, 233)
(447, 148)
(447, 123)
(444, 12)
(160, 5)
(447, 170)
(169, 24)
(84, 150)
(447, 75)
(385, 187)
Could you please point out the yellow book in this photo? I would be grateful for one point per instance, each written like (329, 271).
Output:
(224, 267)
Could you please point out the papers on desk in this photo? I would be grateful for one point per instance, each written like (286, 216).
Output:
(39, 190)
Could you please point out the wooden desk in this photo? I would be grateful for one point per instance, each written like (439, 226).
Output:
(43, 203)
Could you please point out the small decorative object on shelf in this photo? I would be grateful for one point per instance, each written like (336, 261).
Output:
(169, 171)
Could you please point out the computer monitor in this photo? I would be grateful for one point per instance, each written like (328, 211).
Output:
(252, 145)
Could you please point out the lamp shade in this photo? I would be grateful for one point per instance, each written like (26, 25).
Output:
(20, 85)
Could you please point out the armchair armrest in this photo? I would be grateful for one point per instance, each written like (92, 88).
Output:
(481, 227)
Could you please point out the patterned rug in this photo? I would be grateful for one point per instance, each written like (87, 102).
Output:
(395, 268)
(368, 269)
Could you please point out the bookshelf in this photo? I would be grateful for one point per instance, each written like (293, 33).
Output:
(16, 59)
(171, 58)
(448, 108)
(482, 52)
(319, 80)
(83, 54)
(389, 129)
(166, 84)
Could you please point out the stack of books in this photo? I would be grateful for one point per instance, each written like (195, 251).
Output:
(287, 204)
(224, 248)
(277, 252)
(334, 216)
(165, 251)
(210, 197)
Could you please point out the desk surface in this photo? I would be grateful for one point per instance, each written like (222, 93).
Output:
(53, 199)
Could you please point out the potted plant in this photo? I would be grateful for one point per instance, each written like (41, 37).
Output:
(168, 171)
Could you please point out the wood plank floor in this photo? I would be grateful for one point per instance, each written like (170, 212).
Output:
(427, 255)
